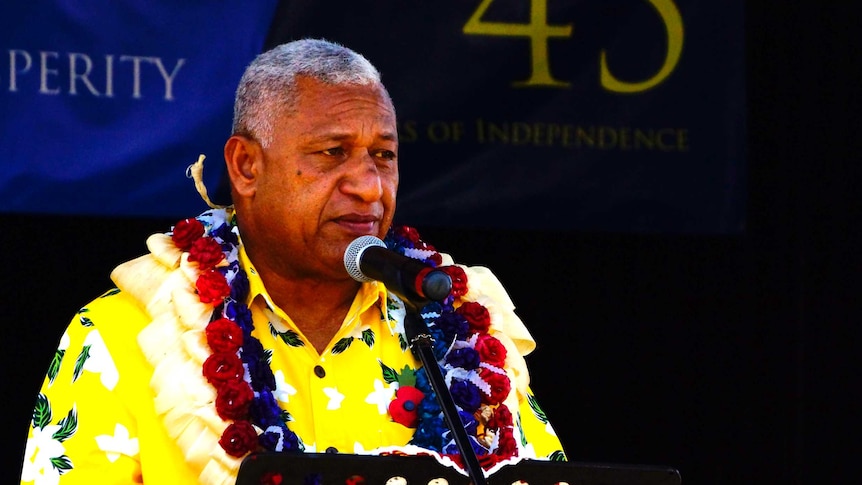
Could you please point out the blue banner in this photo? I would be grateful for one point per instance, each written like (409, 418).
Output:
(103, 105)
(609, 115)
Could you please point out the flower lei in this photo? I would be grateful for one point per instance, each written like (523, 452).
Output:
(472, 363)
(471, 360)
(238, 367)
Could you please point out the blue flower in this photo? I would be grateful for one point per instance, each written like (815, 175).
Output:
(451, 448)
(291, 441)
(239, 313)
(422, 381)
(224, 234)
(469, 422)
(261, 374)
(431, 307)
(466, 395)
(269, 439)
(453, 325)
(264, 410)
(239, 288)
(429, 434)
(441, 344)
(465, 358)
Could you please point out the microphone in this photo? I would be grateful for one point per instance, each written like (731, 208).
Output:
(368, 259)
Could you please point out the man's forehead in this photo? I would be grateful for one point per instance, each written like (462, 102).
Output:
(332, 132)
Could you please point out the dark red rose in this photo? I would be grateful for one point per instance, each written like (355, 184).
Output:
(491, 350)
(459, 280)
(436, 258)
(500, 386)
(477, 316)
(488, 460)
(506, 445)
(404, 409)
(408, 233)
(502, 418)
(224, 335)
(206, 252)
(223, 367)
(212, 286)
(239, 438)
(186, 232)
(425, 246)
(234, 399)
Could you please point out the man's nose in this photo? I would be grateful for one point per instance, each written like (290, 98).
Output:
(363, 178)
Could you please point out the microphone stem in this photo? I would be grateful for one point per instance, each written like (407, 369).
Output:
(422, 346)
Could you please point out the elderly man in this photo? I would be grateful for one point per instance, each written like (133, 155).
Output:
(241, 331)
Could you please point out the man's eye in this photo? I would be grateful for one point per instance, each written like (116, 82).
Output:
(335, 151)
(385, 154)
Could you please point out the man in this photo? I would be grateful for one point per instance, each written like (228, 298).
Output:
(241, 331)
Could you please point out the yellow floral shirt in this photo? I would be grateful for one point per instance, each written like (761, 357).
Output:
(97, 421)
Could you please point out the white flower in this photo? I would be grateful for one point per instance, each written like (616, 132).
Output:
(358, 449)
(100, 361)
(64, 342)
(119, 444)
(283, 390)
(41, 448)
(381, 395)
(357, 332)
(335, 398)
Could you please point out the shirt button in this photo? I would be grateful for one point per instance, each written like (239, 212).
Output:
(319, 372)
(332, 450)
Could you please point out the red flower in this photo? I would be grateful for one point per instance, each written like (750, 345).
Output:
(239, 438)
(500, 386)
(222, 367)
(207, 252)
(404, 409)
(502, 418)
(436, 258)
(234, 399)
(212, 286)
(488, 460)
(186, 232)
(506, 445)
(224, 336)
(408, 233)
(491, 350)
(459, 280)
(477, 316)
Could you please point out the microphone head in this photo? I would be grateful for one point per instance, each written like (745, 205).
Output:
(353, 255)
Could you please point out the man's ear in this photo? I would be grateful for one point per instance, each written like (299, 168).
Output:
(243, 157)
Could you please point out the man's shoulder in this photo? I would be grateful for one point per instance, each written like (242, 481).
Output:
(114, 308)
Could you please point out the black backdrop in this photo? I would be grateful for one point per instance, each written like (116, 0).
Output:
(732, 358)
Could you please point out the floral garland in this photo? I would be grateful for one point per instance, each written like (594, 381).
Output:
(238, 367)
(471, 360)
(472, 364)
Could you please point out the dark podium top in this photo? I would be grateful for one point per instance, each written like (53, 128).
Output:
(344, 469)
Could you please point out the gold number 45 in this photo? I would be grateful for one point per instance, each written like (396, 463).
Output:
(538, 31)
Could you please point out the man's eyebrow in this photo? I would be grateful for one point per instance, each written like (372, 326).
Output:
(343, 135)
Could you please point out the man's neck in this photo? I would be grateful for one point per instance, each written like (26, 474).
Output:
(317, 308)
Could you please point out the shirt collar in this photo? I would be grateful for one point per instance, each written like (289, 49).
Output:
(369, 294)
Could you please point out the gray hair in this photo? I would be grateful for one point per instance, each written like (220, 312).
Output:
(268, 85)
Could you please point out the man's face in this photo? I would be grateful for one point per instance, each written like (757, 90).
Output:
(329, 176)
